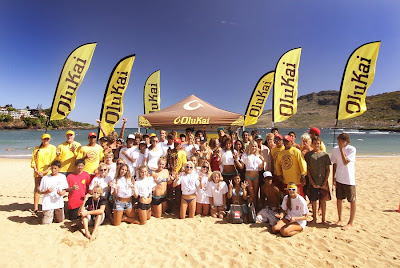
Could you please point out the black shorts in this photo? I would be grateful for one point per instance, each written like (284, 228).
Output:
(315, 194)
(345, 191)
(158, 201)
(73, 214)
(143, 206)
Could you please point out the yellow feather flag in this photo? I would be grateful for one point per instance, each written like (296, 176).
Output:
(259, 98)
(285, 88)
(357, 77)
(113, 107)
(74, 70)
(151, 93)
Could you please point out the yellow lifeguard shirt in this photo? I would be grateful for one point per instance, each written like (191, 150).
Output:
(291, 165)
(93, 155)
(67, 157)
(42, 158)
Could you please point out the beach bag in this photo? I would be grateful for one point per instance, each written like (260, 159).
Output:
(236, 214)
(252, 213)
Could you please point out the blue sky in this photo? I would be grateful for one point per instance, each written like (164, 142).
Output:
(215, 49)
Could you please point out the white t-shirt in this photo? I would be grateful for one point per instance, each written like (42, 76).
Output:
(217, 195)
(299, 208)
(153, 156)
(112, 169)
(164, 147)
(189, 183)
(103, 182)
(345, 174)
(227, 158)
(140, 160)
(53, 200)
(252, 162)
(144, 187)
(201, 193)
(188, 149)
(124, 188)
(131, 152)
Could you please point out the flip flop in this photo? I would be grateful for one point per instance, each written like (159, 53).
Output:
(35, 213)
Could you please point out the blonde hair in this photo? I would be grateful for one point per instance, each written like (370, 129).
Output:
(215, 173)
(248, 148)
(269, 136)
(97, 189)
(306, 137)
(146, 171)
(128, 174)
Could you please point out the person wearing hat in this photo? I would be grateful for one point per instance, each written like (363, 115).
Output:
(270, 202)
(278, 140)
(42, 157)
(129, 153)
(66, 153)
(291, 166)
(316, 132)
(293, 218)
(92, 154)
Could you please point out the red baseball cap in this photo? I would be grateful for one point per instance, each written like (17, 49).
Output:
(92, 134)
(278, 136)
(288, 138)
(315, 130)
(177, 141)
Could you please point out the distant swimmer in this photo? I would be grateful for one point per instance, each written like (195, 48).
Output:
(9, 149)
(27, 148)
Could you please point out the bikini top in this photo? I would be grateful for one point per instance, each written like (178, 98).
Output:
(240, 192)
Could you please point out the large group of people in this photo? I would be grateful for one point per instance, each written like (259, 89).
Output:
(226, 177)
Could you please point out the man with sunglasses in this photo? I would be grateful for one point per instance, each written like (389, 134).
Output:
(92, 154)
(66, 153)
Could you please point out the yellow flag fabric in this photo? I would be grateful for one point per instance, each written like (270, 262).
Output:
(285, 88)
(112, 108)
(71, 77)
(259, 98)
(151, 95)
(358, 76)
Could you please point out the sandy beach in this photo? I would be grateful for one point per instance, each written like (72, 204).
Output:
(204, 241)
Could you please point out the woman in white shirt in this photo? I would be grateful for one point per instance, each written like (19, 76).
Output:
(203, 202)
(216, 192)
(154, 153)
(143, 189)
(227, 161)
(254, 163)
(189, 181)
(190, 148)
(122, 190)
(293, 219)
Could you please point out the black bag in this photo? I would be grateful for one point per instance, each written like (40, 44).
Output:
(236, 214)
(252, 213)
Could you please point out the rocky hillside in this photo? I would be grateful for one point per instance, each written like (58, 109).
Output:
(319, 109)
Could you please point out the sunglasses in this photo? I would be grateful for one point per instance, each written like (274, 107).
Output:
(291, 189)
(103, 169)
(155, 141)
(189, 167)
(206, 167)
(277, 140)
(92, 137)
(119, 164)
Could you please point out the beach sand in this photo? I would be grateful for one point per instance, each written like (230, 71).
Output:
(204, 241)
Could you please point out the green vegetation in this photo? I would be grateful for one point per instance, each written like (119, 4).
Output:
(319, 109)
(5, 118)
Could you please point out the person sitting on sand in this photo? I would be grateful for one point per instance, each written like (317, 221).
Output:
(143, 189)
(161, 179)
(92, 211)
(238, 194)
(122, 190)
(293, 218)
(216, 191)
(103, 180)
(52, 187)
(344, 176)
(190, 182)
(318, 170)
(271, 202)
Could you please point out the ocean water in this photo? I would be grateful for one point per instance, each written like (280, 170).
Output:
(20, 143)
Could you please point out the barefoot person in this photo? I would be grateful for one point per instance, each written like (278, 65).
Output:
(318, 170)
(143, 189)
(344, 176)
(216, 191)
(238, 194)
(190, 182)
(42, 156)
(293, 218)
(203, 202)
(161, 179)
(92, 211)
(66, 153)
(271, 201)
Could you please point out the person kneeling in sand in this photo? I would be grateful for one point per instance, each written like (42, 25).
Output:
(293, 219)
(92, 211)
(216, 191)
(271, 203)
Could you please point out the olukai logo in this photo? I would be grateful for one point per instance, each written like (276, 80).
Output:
(188, 106)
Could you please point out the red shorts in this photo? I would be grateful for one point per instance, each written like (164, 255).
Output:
(299, 189)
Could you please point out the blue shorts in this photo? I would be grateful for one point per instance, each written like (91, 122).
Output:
(121, 206)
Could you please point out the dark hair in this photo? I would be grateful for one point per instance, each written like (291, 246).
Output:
(344, 137)
(170, 137)
(316, 138)
(254, 132)
(274, 128)
(56, 163)
(241, 150)
(79, 161)
(292, 132)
